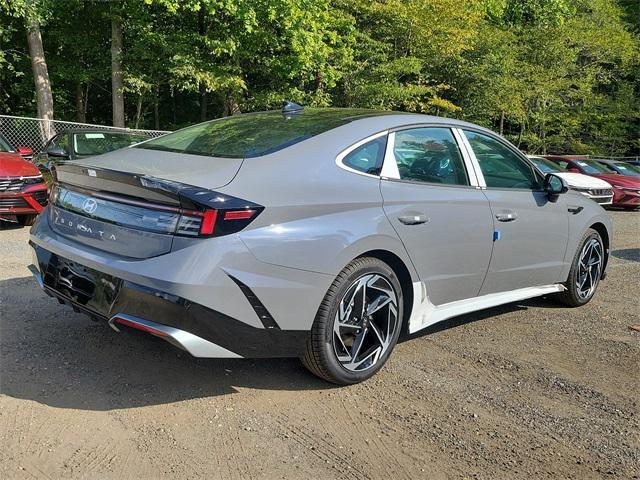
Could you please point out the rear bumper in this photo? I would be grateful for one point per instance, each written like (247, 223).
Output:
(201, 331)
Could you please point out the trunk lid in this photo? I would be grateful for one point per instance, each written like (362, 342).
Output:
(197, 170)
(137, 215)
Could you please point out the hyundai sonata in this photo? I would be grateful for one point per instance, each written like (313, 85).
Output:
(313, 233)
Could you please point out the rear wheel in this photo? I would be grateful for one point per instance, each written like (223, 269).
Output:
(357, 324)
(27, 220)
(586, 271)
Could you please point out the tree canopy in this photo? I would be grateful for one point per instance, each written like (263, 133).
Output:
(558, 76)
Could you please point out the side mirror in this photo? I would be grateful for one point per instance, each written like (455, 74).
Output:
(25, 152)
(54, 151)
(554, 186)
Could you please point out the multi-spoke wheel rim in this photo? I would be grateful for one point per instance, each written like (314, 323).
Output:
(589, 268)
(365, 324)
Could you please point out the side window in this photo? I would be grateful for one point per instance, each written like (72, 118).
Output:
(563, 164)
(429, 155)
(367, 158)
(501, 167)
(61, 141)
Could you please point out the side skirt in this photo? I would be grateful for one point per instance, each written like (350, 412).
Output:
(425, 314)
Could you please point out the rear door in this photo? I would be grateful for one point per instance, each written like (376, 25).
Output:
(444, 220)
(531, 232)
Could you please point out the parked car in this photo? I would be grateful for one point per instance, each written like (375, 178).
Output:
(6, 146)
(313, 233)
(626, 189)
(76, 144)
(591, 187)
(623, 168)
(23, 192)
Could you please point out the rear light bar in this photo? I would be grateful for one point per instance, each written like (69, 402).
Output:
(227, 218)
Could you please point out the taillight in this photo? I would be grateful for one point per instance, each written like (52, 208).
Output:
(212, 222)
(199, 213)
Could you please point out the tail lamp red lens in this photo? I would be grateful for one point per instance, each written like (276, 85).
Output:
(203, 223)
(208, 225)
(238, 214)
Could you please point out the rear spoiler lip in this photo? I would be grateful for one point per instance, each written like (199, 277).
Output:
(166, 194)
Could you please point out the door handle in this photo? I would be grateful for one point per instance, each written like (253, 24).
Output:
(413, 219)
(508, 216)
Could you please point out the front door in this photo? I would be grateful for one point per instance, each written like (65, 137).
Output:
(531, 232)
(444, 222)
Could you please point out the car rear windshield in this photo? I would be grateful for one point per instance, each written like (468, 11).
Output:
(253, 135)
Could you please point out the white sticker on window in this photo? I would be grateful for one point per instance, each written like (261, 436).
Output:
(94, 135)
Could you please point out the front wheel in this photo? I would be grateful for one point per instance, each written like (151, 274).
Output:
(586, 271)
(357, 324)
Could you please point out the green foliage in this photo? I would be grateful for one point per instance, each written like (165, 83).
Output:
(554, 75)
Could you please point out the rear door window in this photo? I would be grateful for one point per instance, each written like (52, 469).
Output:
(429, 155)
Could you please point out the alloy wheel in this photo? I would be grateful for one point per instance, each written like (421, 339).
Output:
(589, 269)
(365, 322)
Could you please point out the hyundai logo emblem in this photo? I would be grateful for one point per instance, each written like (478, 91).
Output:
(89, 205)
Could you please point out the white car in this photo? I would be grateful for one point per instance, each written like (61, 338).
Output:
(596, 189)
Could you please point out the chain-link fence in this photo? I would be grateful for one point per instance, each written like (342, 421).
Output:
(35, 132)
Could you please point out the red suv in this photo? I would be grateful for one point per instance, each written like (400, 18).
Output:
(23, 191)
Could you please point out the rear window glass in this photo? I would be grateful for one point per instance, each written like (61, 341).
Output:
(252, 135)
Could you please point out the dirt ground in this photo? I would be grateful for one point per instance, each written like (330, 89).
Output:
(529, 390)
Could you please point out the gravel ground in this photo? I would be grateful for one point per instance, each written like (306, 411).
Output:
(525, 390)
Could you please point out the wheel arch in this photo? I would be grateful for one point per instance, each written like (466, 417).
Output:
(604, 234)
(404, 276)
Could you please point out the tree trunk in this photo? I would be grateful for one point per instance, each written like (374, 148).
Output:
(156, 108)
(81, 108)
(231, 106)
(203, 103)
(117, 82)
(138, 111)
(40, 77)
(502, 122)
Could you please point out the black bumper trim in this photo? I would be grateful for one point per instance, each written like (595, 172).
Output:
(76, 285)
(258, 307)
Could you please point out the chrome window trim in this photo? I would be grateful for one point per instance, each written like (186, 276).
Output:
(341, 156)
(389, 165)
(471, 158)
(470, 161)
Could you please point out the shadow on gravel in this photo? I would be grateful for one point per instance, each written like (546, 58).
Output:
(542, 302)
(4, 225)
(632, 254)
(53, 356)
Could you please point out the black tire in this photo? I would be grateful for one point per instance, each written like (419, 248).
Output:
(572, 296)
(320, 356)
(27, 220)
